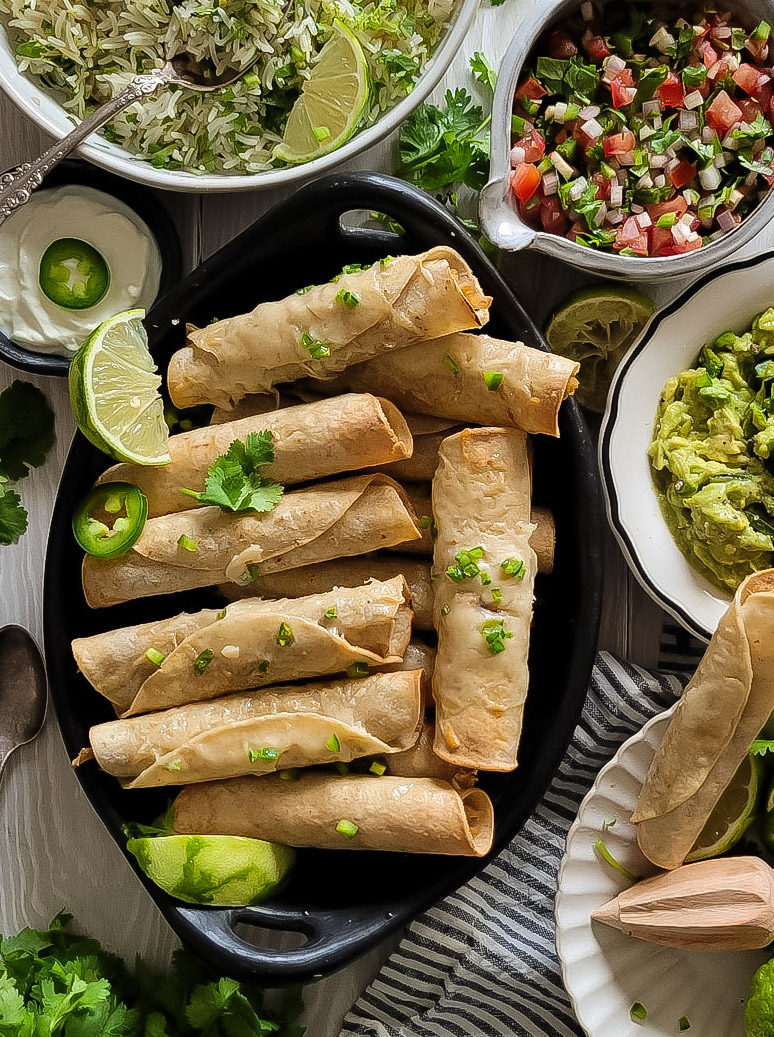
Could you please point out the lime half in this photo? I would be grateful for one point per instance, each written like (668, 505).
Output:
(596, 326)
(225, 870)
(733, 813)
(114, 392)
(332, 100)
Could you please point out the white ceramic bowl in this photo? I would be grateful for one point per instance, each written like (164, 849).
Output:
(43, 108)
(725, 300)
(604, 970)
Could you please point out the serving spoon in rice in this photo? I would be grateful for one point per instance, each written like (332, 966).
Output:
(182, 69)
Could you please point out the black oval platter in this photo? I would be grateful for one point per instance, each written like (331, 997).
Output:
(342, 903)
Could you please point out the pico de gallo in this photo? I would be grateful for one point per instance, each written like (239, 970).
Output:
(644, 135)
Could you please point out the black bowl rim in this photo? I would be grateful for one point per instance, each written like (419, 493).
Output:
(153, 214)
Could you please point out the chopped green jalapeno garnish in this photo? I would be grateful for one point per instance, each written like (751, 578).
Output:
(358, 670)
(290, 774)
(497, 595)
(175, 765)
(445, 610)
(514, 567)
(155, 656)
(331, 612)
(350, 299)
(303, 291)
(495, 635)
(73, 274)
(638, 1012)
(202, 661)
(450, 363)
(333, 745)
(684, 1024)
(250, 575)
(221, 615)
(285, 636)
(263, 666)
(262, 754)
(493, 380)
(98, 537)
(187, 543)
(316, 349)
(347, 828)
(466, 567)
(378, 768)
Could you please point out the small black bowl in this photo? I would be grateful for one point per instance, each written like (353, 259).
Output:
(150, 211)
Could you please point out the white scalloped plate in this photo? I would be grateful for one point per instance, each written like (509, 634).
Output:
(604, 971)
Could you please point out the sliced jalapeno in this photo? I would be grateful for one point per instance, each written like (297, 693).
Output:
(110, 519)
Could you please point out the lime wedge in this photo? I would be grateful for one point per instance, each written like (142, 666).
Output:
(114, 392)
(733, 813)
(596, 326)
(225, 870)
(332, 100)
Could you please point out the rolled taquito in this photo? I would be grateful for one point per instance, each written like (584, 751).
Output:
(473, 378)
(334, 812)
(250, 643)
(420, 761)
(206, 546)
(261, 731)
(345, 572)
(483, 577)
(427, 435)
(721, 712)
(319, 331)
(311, 441)
(417, 656)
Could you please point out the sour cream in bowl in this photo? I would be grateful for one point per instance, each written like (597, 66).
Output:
(69, 259)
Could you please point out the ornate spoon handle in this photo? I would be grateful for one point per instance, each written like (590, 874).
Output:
(17, 185)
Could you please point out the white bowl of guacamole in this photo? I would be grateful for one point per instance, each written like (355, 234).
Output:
(687, 445)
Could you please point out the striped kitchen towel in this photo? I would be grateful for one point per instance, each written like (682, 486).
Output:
(482, 963)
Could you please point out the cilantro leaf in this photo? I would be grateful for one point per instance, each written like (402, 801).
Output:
(762, 746)
(26, 429)
(234, 482)
(13, 517)
(482, 70)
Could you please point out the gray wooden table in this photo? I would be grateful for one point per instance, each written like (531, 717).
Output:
(54, 852)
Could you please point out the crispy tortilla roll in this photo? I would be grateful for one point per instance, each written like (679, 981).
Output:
(321, 522)
(453, 377)
(481, 503)
(345, 572)
(212, 653)
(427, 434)
(257, 732)
(418, 656)
(722, 711)
(311, 441)
(421, 762)
(317, 332)
(419, 815)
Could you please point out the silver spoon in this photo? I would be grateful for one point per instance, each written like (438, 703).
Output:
(17, 185)
(22, 690)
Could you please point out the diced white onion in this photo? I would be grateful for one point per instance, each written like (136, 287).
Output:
(616, 195)
(651, 106)
(577, 187)
(622, 176)
(644, 221)
(708, 135)
(734, 199)
(693, 100)
(659, 181)
(688, 121)
(645, 181)
(721, 160)
(592, 129)
(518, 155)
(726, 220)
(646, 131)
(730, 141)
(680, 233)
(550, 183)
(672, 163)
(710, 178)
(638, 208)
(591, 111)
(614, 218)
(614, 63)
(751, 179)
(657, 123)
(560, 110)
(561, 165)
(599, 217)
(658, 161)
(662, 40)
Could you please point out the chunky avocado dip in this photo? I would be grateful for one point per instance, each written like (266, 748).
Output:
(713, 455)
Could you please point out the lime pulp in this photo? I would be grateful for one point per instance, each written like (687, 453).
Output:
(73, 274)
(733, 813)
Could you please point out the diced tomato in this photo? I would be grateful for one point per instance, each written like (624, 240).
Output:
(671, 91)
(552, 216)
(534, 146)
(682, 174)
(560, 45)
(723, 113)
(619, 143)
(676, 249)
(638, 244)
(561, 136)
(746, 78)
(764, 94)
(658, 209)
(660, 238)
(530, 88)
(622, 94)
(625, 77)
(525, 181)
(602, 185)
(748, 108)
(708, 54)
(758, 49)
(595, 47)
(575, 230)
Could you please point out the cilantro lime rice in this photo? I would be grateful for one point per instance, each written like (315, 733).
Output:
(85, 53)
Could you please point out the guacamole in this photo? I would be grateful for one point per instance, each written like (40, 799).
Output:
(713, 455)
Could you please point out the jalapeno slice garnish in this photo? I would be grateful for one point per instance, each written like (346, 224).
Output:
(73, 274)
(110, 519)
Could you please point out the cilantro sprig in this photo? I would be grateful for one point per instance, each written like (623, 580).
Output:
(234, 481)
(26, 436)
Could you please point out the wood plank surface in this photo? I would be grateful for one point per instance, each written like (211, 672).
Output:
(54, 852)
